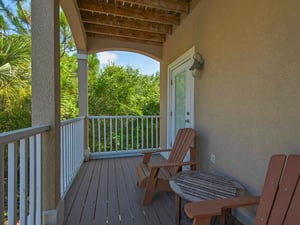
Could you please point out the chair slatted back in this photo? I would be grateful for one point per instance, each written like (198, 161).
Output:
(183, 141)
(280, 197)
(285, 195)
(294, 210)
(270, 187)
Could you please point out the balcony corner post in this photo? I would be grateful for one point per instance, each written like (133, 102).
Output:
(87, 154)
(82, 60)
(45, 56)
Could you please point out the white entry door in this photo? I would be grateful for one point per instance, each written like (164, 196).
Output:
(181, 99)
(180, 96)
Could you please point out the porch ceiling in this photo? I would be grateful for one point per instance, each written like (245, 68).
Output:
(146, 22)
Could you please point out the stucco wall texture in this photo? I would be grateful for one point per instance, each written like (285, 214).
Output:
(247, 104)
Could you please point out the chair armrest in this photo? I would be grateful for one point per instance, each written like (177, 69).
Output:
(156, 151)
(148, 153)
(209, 208)
(170, 164)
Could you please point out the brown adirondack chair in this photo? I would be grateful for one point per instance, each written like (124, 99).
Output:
(156, 176)
(279, 203)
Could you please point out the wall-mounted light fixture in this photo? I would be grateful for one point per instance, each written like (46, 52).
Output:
(198, 64)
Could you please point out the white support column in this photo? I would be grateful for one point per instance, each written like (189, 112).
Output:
(82, 59)
(46, 100)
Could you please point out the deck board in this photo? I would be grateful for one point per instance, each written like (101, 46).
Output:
(123, 195)
(101, 205)
(112, 194)
(79, 201)
(105, 193)
(148, 210)
(132, 192)
(90, 203)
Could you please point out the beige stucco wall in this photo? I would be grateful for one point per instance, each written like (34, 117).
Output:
(247, 104)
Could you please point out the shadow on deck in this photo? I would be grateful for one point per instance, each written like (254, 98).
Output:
(105, 192)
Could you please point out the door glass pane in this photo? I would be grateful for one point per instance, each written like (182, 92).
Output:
(180, 100)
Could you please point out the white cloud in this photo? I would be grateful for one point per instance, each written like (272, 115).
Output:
(107, 57)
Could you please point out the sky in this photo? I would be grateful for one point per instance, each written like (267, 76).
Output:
(145, 64)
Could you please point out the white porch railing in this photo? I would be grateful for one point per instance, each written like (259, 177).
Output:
(21, 195)
(122, 135)
(72, 151)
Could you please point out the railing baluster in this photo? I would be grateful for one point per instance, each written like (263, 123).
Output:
(137, 133)
(127, 137)
(66, 173)
(65, 159)
(23, 181)
(152, 132)
(12, 183)
(99, 136)
(147, 132)
(132, 143)
(2, 184)
(116, 132)
(122, 136)
(72, 155)
(62, 162)
(104, 134)
(68, 154)
(142, 121)
(110, 133)
(93, 135)
(156, 127)
(32, 180)
(38, 179)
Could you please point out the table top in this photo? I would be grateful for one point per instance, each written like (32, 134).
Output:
(198, 186)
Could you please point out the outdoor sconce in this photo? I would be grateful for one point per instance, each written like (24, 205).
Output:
(198, 65)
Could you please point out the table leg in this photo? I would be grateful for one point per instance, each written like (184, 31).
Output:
(178, 209)
(223, 217)
(226, 217)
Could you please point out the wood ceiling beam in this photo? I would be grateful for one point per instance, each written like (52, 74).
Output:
(126, 33)
(144, 42)
(122, 22)
(116, 9)
(166, 5)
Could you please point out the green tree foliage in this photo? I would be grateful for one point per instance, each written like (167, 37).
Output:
(93, 67)
(67, 45)
(149, 89)
(15, 82)
(122, 90)
(15, 18)
(68, 72)
(69, 84)
(15, 66)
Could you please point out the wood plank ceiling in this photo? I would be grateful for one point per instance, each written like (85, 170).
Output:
(145, 21)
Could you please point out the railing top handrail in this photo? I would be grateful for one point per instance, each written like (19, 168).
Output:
(11, 136)
(69, 121)
(108, 117)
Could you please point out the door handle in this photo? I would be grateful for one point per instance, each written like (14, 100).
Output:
(187, 121)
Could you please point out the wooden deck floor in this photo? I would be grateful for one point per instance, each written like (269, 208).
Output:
(105, 193)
